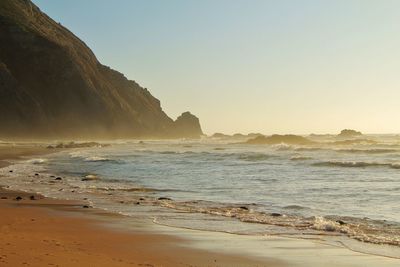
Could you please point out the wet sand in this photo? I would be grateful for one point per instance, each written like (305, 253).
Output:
(44, 232)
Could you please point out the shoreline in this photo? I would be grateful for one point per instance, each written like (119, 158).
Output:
(126, 236)
(38, 231)
(41, 231)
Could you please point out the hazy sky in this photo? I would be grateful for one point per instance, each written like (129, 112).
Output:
(253, 66)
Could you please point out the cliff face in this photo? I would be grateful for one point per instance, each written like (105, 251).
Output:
(52, 85)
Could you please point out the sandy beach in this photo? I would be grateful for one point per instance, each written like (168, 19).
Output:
(38, 231)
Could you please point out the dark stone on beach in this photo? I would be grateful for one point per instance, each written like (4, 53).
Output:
(86, 206)
(274, 214)
(11, 171)
(52, 176)
(18, 198)
(137, 203)
(58, 179)
(340, 222)
(4, 198)
(244, 208)
(122, 202)
(164, 198)
(141, 198)
(36, 174)
(32, 197)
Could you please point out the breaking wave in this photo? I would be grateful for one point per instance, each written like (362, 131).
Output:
(282, 147)
(356, 164)
(254, 156)
(98, 159)
(37, 161)
(294, 158)
(376, 232)
(369, 151)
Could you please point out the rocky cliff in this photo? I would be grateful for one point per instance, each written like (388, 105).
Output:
(349, 133)
(52, 86)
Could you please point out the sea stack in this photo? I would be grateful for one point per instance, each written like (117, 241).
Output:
(188, 125)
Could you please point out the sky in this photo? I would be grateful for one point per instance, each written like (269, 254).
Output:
(244, 66)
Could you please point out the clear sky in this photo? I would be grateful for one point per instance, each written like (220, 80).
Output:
(253, 66)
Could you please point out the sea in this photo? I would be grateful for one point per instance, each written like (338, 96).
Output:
(346, 193)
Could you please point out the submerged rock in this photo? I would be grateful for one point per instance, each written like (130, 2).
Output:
(164, 198)
(349, 133)
(340, 222)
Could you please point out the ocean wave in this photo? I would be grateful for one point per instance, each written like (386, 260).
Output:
(254, 156)
(169, 152)
(90, 158)
(98, 159)
(282, 147)
(376, 232)
(356, 164)
(37, 161)
(309, 148)
(294, 158)
(295, 207)
(77, 154)
(368, 151)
